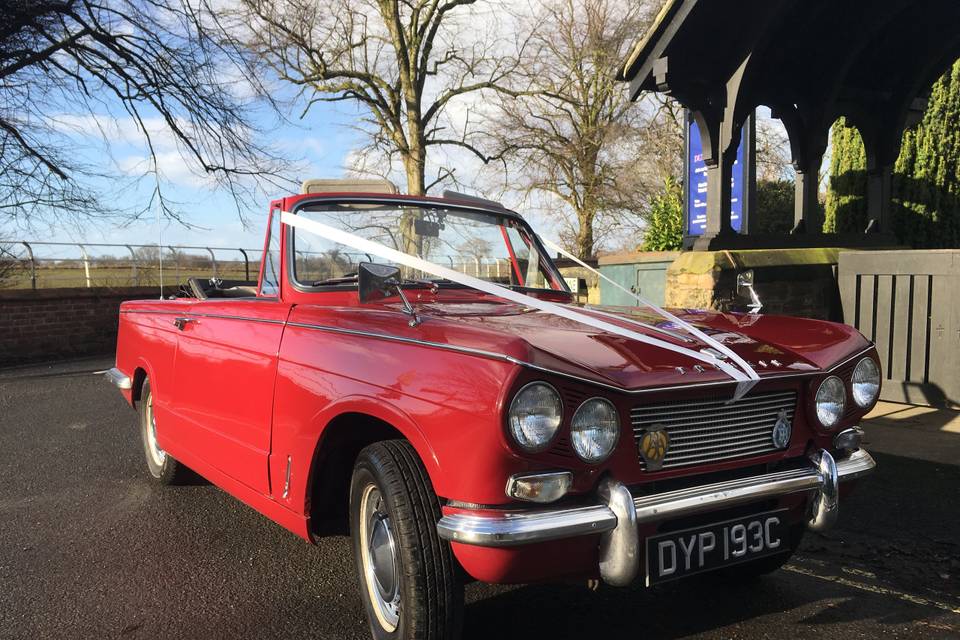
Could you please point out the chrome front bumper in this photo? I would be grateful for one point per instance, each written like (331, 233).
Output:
(620, 512)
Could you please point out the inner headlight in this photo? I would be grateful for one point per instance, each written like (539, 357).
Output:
(831, 397)
(594, 430)
(535, 416)
(866, 383)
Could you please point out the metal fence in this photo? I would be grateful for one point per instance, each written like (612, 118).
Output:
(47, 265)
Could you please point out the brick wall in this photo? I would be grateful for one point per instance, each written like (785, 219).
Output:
(52, 324)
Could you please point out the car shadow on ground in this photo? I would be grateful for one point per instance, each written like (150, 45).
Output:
(697, 605)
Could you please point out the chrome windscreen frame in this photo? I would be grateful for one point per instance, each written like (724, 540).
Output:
(542, 252)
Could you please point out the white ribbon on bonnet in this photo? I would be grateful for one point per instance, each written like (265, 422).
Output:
(744, 381)
(643, 302)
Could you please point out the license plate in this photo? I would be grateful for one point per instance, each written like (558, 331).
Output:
(682, 553)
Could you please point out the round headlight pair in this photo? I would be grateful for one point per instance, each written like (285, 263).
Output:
(535, 416)
(832, 394)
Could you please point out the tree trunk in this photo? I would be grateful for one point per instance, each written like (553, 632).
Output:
(585, 234)
(414, 165)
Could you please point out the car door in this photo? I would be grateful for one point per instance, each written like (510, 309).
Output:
(225, 371)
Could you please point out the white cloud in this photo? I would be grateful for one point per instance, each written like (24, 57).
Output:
(113, 130)
(172, 167)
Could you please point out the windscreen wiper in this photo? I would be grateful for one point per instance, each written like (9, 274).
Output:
(348, 278)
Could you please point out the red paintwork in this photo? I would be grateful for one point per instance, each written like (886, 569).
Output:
(237, 395)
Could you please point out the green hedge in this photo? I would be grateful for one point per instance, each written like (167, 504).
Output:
(926, 180)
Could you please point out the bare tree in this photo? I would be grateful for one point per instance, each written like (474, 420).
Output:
(9, 265)
(406, 63)
(573, 133)
(773, 152)
(147, 61)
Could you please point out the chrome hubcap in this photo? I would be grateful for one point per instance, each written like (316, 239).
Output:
(378, 552)
(158, 455)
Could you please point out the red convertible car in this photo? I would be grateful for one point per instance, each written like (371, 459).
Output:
(459, 434)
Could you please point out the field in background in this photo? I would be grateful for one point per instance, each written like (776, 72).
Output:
(67, 277)
(49, 265)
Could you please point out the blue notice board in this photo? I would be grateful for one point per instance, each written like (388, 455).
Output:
(695, 208)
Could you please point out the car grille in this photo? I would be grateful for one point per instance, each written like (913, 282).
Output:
(708, 430)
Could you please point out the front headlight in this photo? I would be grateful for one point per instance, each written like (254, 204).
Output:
(865, 383)
(534, 416)
(594, 430)
(831, 398)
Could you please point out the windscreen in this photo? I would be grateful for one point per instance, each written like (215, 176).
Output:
(485, 245)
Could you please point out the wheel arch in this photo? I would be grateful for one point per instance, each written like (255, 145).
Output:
(143, 370)
(355, 424)
(139, 377)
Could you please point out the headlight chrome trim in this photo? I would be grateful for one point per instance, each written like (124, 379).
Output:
(549, 441)
(842, 401)
(618, 429)
(853, 383)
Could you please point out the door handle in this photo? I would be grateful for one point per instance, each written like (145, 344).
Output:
(180, 323)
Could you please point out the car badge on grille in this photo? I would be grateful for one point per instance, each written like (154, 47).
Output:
(653, 447)
(782, 430)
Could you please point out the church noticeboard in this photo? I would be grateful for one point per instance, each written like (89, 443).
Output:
(695, 185)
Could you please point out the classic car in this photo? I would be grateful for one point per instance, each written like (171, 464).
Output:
(433, 389)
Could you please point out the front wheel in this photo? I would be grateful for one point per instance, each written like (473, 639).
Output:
(162, 466)
(409, 582)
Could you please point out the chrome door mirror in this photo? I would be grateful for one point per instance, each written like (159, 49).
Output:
(377, 281)
(745, 289)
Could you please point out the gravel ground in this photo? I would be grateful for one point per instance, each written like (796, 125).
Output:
(90, 548)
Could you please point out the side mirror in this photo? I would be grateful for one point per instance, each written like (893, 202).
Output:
(377, 281)
(744, 281)
(745, 286)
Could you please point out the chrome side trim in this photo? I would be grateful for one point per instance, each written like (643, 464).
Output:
(217, 316)
(226, 317)
(504, 529)
(424, 343)
(506, 358)
(119, 379)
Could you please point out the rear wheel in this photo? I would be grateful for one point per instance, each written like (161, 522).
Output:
(162, 466)
(408, 578)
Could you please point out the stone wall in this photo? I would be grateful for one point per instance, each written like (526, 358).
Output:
(51, 324)
(795, 282)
